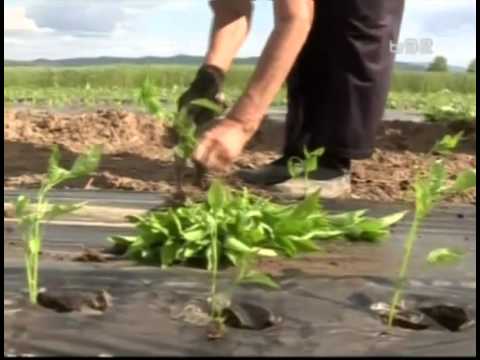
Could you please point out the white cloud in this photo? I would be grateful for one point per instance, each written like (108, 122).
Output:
(450, 24)
(14, 42)
(168, 27)
(15, 19)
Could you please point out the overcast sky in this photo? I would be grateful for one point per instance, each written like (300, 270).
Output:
(57, 29)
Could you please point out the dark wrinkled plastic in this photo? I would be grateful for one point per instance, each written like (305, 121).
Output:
(324, 304)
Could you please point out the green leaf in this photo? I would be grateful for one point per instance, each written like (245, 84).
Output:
(34, 246)
(308, 206)
(318, 153)
(56, 173)
(311, 164)
(207, 104)
(195, 235)
(445, 256)
(347, 219)
(123, 240)
(438, 179)
(234, 258)
(465, 181)
(390, 220)
(168, 252)
(190, 250)
(87, 163)
(285, 246)
(123, 243)
(217, 196)
(58, 210)
(317, 235)
(22, 206)
(262, 252)
(255, 277)
(238, 246)
(429, 190)
(303, 243)
(448, 143)
(295, 167)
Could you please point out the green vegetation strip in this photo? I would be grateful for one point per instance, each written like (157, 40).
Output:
(130, 77)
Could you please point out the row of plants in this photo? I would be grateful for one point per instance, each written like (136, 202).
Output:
(436, 106)
(60, 97)
(168, 76)
(439, 106)
(234, 227)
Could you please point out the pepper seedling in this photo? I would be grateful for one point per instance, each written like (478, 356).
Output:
(429, 191)
(32, 216)
(298, 166)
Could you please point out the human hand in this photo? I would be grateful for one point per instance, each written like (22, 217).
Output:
(220, 146)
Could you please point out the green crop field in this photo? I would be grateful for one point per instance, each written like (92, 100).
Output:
(440, 96)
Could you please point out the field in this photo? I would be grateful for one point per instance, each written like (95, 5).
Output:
(437, 96)
(236, 270)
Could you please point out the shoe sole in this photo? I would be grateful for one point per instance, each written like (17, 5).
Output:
(256, 180)
(297, 188)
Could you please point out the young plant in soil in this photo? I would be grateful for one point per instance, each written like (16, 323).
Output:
(237, 228)
(448, 144)
(32, 216)
(298, 166)
(429, 191)
(181, 128)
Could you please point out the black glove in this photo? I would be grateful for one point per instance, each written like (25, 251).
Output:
(208, 84)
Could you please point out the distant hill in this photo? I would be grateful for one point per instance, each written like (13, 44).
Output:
(173, 60)
(105, 61)
(404, 66)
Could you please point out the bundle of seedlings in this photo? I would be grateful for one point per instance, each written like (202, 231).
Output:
(236, 228)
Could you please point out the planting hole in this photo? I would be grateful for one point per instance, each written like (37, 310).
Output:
(249, 316)
(97, 302)
(452, 318)
(242, 315)
(404, 318)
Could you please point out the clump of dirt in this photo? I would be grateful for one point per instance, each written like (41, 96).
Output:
(118, 131)
(420, 137)
(93, 256)
(390, 175)
(138, 153)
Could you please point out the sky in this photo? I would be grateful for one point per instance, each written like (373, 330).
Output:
(57, 29)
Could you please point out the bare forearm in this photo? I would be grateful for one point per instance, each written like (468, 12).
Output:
(232, 23)
(278, 58)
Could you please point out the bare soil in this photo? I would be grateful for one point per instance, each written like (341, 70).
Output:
(138, 154)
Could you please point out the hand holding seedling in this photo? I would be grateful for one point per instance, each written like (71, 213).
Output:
(221, 145)
(182, 126)
(207, 85)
